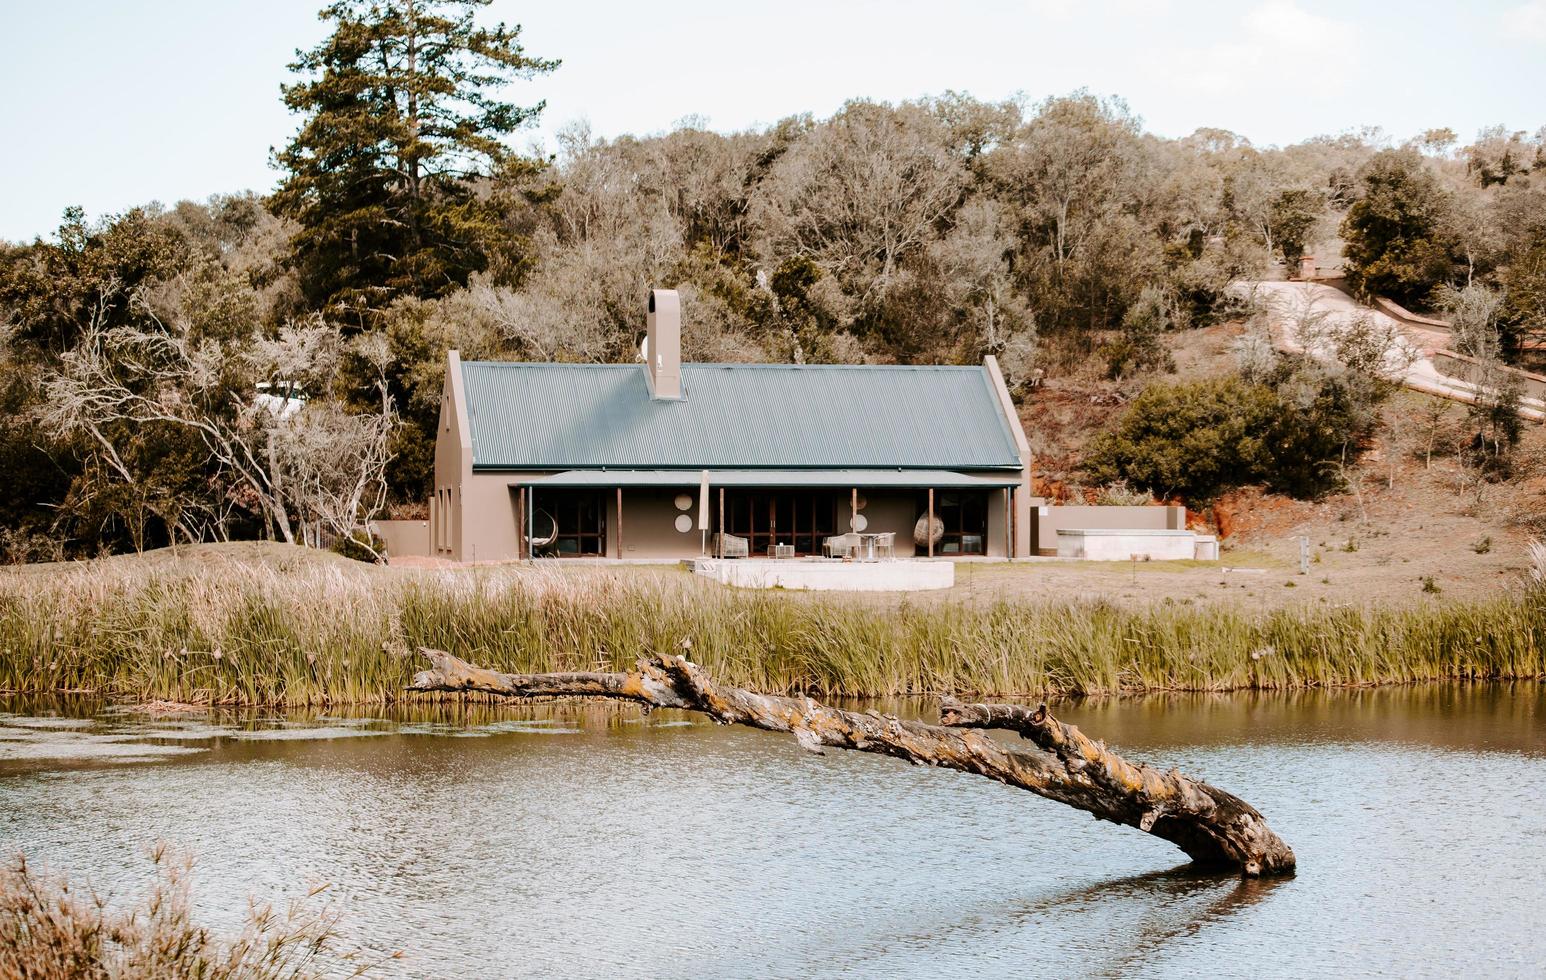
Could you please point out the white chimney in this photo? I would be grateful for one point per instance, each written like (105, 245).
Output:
(663, 341)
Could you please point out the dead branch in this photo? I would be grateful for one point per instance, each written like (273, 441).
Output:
(1214, 828)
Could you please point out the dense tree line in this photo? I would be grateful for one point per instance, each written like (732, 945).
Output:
(134, 347)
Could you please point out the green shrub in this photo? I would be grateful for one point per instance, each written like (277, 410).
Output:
(1191, 440)
(360, 545)
(1324, 417)
(1199, 439)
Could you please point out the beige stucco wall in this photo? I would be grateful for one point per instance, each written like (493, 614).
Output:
(1094, 544)
(1050, 519)
(489, 525)
(403, 537)
(886, 510)
(649, 516)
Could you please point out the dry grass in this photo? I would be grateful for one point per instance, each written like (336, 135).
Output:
(51, 929)
(321, 632)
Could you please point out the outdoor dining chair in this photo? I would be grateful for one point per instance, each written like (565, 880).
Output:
(840, 545)
(732, 546)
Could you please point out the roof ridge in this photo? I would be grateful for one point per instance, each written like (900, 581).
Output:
(735, 365)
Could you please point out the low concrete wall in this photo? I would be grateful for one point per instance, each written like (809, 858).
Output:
(1097, 544)
(1048, 520)
(829, 576)
(403, 537)
(1393, 309)
(1458, 365)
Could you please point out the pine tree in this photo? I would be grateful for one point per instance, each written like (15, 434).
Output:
(403, 141)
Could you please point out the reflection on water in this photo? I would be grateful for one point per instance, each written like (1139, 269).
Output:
(584, 839)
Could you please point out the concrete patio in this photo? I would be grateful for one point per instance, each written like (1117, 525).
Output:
(818, 574)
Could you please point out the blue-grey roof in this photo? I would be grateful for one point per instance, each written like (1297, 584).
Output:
(775, 416)
(869, 479)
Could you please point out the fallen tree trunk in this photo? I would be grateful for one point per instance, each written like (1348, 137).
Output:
(1214, 828)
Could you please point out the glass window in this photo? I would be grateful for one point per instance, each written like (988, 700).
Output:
(802, 518)
(964, 513)
(569, 524)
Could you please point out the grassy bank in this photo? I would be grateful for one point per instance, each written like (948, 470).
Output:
(319, 632)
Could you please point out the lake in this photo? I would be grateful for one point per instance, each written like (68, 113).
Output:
(587, 840)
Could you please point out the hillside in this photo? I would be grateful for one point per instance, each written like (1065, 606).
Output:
(1405, 516)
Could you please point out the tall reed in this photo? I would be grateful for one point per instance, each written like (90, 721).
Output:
(251, 633)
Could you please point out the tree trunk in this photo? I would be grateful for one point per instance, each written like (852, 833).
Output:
(1214, 828)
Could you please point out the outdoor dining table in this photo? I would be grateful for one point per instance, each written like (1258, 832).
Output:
(866, 549)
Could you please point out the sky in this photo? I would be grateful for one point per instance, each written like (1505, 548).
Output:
(110, 104)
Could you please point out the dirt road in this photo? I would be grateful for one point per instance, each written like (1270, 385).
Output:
(1309, 317)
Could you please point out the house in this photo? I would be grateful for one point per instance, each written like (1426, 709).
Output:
(656, 460)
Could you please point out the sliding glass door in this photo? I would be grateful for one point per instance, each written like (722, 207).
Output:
(803, 518)
(569, 524)
(964, 513)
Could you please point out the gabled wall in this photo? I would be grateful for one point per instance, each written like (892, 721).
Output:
(453, 465)
(1022, 503)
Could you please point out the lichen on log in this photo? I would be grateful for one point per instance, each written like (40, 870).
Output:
(1057, 761)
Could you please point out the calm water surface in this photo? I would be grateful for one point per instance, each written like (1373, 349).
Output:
(588, 841)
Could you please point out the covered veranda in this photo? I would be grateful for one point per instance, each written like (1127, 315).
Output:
(660, 513)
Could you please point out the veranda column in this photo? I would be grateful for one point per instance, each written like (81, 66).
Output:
(619, 522)
(520, 525)
(930, 532)
(1009, 522)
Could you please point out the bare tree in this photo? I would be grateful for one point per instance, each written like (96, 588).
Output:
(1253, 351)
(1252, 183)
(337, 460)
(975, 260)
(1494, 414)
(860, 192)
(1433, 422)
(1473, 317)
(1477, 231)
(1069, 162)
(152, 372)
(1372, 347)
(1052, 759)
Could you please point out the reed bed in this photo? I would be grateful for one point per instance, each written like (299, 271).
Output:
(314, 634)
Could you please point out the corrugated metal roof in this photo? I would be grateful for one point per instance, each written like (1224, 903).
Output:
(783, 416)
(869, 479)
